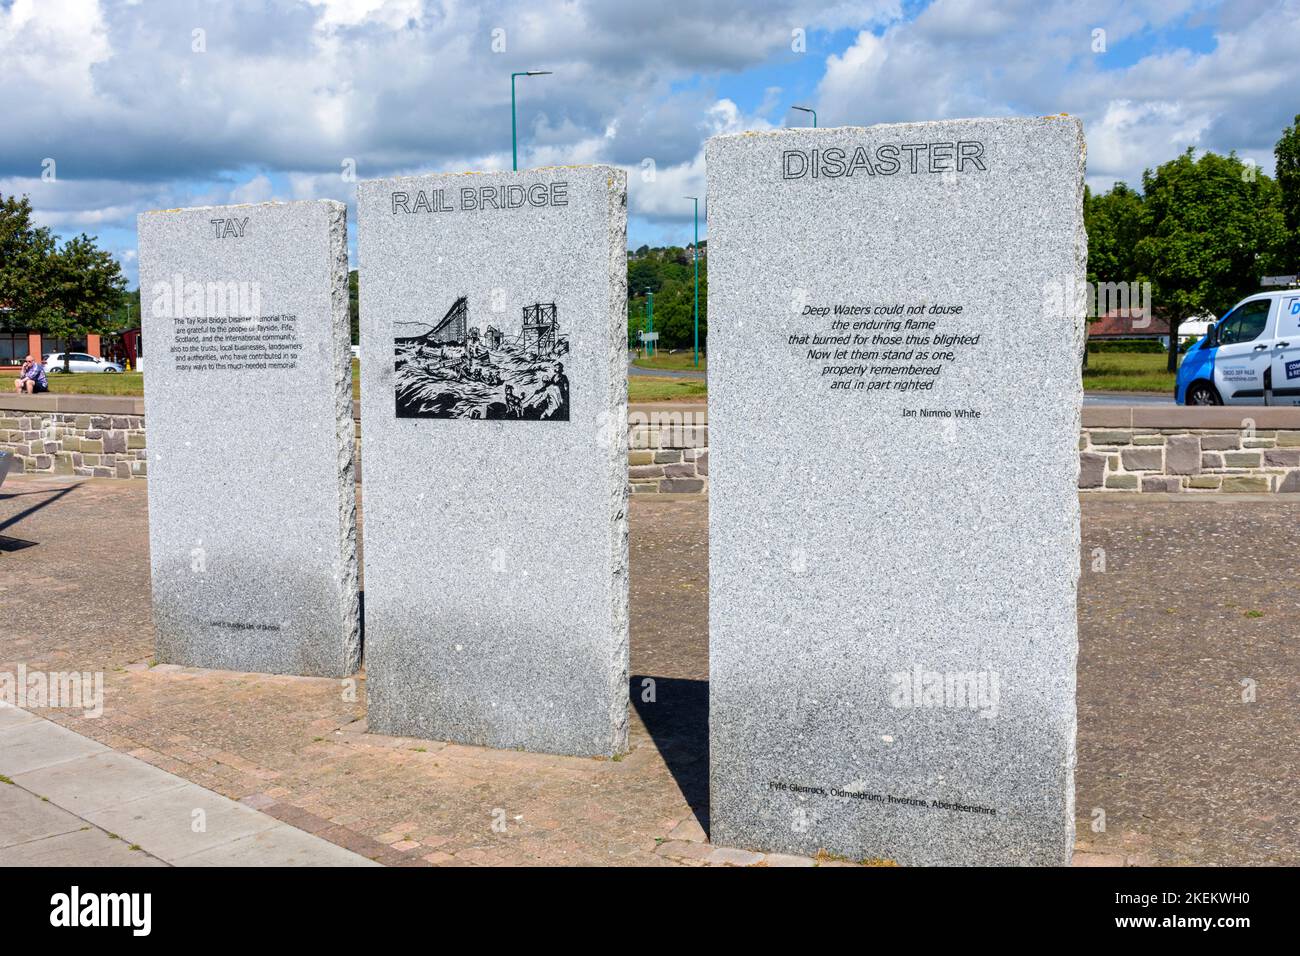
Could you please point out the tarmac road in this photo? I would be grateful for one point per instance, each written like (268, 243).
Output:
(1127, 398)
(664, 372)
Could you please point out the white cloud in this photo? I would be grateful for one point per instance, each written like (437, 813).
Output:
(53, 45)
(257, 189)
(660, 192)
(1129, 134)
(962, 58)
(287, 90)
(663, 194)
(391, 13)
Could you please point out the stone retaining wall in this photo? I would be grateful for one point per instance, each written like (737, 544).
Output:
(1141, 448)
(104, 437)
(668, 450)
(57, 435)
(1190, 450)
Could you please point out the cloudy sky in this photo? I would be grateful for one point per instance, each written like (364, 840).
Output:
(112, 107)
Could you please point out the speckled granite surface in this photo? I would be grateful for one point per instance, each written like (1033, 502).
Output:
(252, 500)
(496, 521)
(893, 637)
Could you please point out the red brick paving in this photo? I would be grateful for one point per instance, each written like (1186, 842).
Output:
(1183, 769)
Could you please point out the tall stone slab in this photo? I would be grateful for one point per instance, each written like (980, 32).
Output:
(494, 399)
(248, 402)
(895, 345)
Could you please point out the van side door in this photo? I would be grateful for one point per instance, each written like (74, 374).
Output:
(1286, 352)
(1245, 353)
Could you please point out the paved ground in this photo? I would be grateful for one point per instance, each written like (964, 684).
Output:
(1196, 596)
(67, 800)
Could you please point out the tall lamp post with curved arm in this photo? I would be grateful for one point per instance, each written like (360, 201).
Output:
(807, 109)
(696, 250)
(514, 135)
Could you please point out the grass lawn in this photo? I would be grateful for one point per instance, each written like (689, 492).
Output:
(96, 383)
(1106, 371)
(673, 361)
(640, 388)
(1128, 372)
(652, 388)
(129, 383)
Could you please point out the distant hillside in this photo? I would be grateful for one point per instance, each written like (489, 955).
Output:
(668, 272)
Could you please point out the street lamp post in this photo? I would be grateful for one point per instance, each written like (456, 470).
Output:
(649, 321)
(696, 249)
(514, 135)
(807, 109)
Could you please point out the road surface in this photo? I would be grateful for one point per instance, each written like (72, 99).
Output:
(664, 372)
(1127, 398)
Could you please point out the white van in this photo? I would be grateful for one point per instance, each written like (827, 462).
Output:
(1249, 357)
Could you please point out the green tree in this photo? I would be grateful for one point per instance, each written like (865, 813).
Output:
(1210, 228)
(60, 291)
(25, 251)
(84, 286)
(1287, 154)
(643, 274)
(354, 307)
(1113, 221)
(679, 321)
(1114, 224)
(673, 317)
(670, 273)
(635, 317)
(126, 315)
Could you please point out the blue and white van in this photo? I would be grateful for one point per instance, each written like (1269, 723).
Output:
(1249, 357)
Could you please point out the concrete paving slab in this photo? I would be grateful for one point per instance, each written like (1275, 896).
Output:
(25, 817)
(12, 716)
(99, 802)
(88, 847)
(279, 846)
(35, 744)
(93, 783)
(165, 822)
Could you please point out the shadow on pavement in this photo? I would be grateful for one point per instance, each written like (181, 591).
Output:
(677, 719)
(53, 497)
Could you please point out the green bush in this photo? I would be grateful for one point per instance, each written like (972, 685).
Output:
(1126, 345)
(1136, 346)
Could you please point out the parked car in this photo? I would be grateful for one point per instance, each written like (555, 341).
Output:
(79, 362)
(1194, 328)
(1249, 357)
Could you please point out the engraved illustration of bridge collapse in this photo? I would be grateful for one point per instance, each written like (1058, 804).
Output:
(453, 369)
